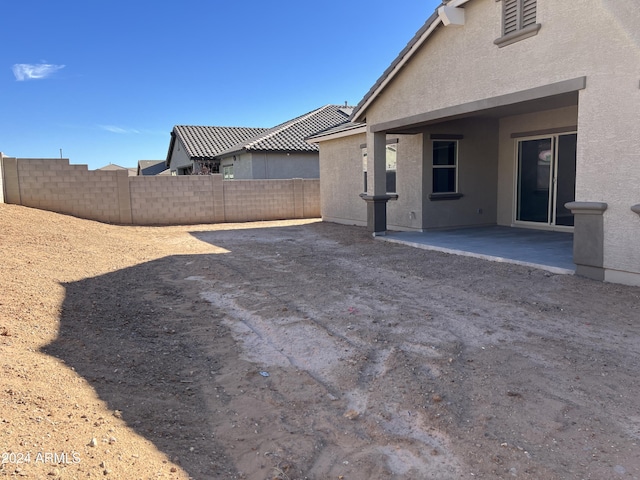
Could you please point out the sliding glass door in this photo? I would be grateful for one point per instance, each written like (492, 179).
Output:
(546, 179)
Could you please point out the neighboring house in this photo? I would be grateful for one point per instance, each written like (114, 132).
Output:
(152, 167)
(514, 112)
(195, 149)
(112, 166)
(282, 151)
(254, 153)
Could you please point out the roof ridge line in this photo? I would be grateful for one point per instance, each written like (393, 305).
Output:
(279, 128)
(219, 126)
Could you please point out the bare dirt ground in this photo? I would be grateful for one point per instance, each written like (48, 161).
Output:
(140, 353)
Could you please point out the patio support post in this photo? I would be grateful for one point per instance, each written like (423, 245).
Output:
(376, 194)
(588, 238)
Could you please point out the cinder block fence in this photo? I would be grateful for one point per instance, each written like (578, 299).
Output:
(114, 197)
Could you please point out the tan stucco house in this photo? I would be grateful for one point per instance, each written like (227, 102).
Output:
(241, 153)
(521, 113)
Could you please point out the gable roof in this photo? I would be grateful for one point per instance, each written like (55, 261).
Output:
(112, 166)
(436, 19)
(207, 142)
(291, 135)
(151, 167)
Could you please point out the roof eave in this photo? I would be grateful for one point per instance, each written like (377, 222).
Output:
(359, 114)
(171, 144)
(322, 137)
(236, 150)
(282, 150)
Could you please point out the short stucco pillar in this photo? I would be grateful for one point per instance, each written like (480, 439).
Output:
(588, 238)
(376, 194)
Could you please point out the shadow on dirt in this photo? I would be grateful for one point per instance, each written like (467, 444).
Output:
(137, 339)
(408, 350)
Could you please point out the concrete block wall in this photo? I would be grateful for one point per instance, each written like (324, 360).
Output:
(311, 198)
(259, 200)
(114, 197)
(171, 200)
(53, 184)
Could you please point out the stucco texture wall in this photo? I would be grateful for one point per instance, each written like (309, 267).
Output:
(285, 165)
(477, 175)
(405, 213)
(273, 165)
(598, 40)
(342, 180)
(457, 65)
(179, 156)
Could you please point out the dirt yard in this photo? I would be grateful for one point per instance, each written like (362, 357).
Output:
(303, 350)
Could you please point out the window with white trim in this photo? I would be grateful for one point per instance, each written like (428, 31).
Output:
(518, 21)
(227, 172)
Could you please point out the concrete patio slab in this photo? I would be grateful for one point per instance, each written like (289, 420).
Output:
(551, 251)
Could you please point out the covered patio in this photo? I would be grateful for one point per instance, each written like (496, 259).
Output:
(546, 250)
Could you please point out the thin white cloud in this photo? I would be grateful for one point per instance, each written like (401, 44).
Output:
(28, 71)
(116, 129)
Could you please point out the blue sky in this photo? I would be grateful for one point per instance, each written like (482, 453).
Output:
(106, 81)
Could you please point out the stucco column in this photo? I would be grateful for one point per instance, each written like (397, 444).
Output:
(376, 194)
(588, 238)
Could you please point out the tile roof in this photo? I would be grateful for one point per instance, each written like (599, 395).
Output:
(208, 142)
(291, 135)
(340, 129)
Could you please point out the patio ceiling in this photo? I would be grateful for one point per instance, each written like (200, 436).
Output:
(547, 97)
